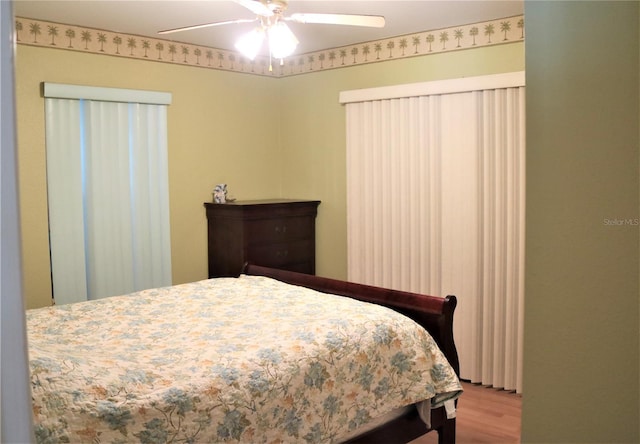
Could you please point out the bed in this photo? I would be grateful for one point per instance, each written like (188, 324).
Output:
(269, 356)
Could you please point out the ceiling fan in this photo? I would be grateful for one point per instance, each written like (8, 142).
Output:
(271, 23)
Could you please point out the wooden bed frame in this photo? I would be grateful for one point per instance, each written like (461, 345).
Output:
(435, 314)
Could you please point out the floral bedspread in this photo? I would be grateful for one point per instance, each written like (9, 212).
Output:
(246, 359)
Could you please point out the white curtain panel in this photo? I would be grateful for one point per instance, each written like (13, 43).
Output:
(107, 176)
(65, 196)
(435, 188)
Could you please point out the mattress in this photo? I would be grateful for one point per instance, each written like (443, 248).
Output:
(246, 359)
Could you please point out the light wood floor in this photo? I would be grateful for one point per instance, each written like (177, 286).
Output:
(484, 415)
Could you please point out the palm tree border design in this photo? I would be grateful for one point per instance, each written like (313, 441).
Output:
(109, 42)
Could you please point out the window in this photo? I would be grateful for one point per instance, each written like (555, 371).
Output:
(435, 191)
(107, 179)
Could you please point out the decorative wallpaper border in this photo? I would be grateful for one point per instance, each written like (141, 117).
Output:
(96, 41)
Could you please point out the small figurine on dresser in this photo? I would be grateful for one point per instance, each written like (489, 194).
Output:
(220, 193)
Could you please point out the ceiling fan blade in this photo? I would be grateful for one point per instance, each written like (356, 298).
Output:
(205, 25)
(256, 6)
(373, 21)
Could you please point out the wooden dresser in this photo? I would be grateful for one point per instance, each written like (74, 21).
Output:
(277, 233)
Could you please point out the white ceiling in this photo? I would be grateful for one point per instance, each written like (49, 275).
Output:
(147, 17)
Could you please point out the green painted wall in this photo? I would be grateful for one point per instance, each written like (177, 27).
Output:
(220, 129)
(262, 136)
(314, 138)
(582, 297)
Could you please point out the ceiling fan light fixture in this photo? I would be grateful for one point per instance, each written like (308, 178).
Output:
(282, 41)
(249, 44)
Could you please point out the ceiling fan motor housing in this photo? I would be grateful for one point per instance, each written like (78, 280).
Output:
(276, 6)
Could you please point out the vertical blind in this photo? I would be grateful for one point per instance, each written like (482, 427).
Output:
(435, 198)
(107, 182)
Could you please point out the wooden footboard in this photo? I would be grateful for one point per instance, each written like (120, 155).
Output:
(435, 314)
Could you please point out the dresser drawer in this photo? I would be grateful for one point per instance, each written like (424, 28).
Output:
(279, 230)
(278, 233)
(282, 253)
